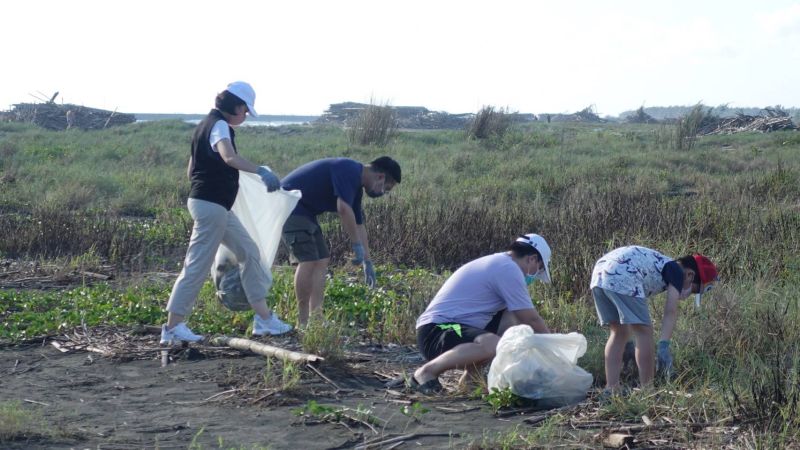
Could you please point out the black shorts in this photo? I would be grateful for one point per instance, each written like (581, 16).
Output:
(304, 239)
(433, 340)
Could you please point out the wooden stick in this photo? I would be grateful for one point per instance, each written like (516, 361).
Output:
(324, 377)
(58, 346)
(101, 351)
(99, 276)
(406, 437)
(229, 391)
(266, 350)
(35, 402)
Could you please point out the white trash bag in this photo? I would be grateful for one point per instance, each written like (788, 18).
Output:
(263, 215)
(541, 367)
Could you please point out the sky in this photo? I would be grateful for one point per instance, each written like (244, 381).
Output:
(174, 56)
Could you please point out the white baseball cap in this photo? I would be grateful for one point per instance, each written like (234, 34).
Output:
(538, 242)
(246, 93)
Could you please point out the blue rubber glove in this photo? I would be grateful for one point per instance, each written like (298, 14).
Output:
(369, 274)
(269, 179)
(663, 359)
(358, 251)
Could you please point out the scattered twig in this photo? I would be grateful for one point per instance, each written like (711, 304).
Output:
(59, 347)
(447, 410)
(35, 402)
(230, 391)
(315, 370)
(406, 437)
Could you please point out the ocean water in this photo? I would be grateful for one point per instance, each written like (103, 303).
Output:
(249, 122)
(257, 123)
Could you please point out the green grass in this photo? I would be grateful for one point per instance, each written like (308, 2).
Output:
(20, 424)
(117, 196)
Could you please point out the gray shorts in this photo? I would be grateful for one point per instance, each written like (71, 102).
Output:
(619, 308)
(304, 239)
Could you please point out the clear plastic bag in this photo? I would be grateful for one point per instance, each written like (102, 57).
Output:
(542, 367)
(262, 214)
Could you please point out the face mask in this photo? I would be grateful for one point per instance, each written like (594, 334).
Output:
(529, 279)
(697, 296)
(374, 192)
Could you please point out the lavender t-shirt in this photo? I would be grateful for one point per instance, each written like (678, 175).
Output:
(477, 291)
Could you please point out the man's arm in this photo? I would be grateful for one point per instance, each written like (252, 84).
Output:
(670, 313)
(361, 230)
(532, 318)
(348, 218)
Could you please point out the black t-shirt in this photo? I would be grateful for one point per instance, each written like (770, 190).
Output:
(673, 274)
(212, 179)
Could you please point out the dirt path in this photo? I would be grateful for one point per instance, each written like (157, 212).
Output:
(91, 401)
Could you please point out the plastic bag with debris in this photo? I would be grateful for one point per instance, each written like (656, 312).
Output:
(263, 215)
(542, 367)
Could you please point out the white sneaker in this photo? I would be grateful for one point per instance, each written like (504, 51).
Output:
(272, 326)
(179, 332)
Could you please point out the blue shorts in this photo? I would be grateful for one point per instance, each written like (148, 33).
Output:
(613, 307)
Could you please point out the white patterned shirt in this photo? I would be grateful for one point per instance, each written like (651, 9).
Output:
(633, 270)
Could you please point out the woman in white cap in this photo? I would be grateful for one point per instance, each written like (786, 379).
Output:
(213, 169)
(463, 323)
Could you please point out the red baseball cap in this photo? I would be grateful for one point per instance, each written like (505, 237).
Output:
(707, 271)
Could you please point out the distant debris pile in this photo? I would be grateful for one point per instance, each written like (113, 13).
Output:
(587, 114)
(773, 119)
(640, 117)
(65, 116)
(410, 117)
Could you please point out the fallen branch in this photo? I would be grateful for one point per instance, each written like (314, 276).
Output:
(406, 437)
(266, 350)
(315, 370)
(58, 346)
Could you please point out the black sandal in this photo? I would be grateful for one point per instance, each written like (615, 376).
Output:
(429, 387)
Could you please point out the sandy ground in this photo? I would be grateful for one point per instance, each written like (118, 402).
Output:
(206, 396)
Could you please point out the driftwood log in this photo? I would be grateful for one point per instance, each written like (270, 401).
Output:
(266, 350)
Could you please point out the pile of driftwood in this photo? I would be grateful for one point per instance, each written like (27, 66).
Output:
(587, 114)
(772, 120)
(640, 117)
(65, 116)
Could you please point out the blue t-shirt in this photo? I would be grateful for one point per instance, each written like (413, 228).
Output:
(322, 182)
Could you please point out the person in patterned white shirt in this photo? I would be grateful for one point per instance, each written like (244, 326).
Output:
(622, 281)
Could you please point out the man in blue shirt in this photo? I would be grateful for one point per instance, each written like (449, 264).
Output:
(331, 185)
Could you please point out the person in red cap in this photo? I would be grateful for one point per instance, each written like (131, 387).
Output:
(622, 281)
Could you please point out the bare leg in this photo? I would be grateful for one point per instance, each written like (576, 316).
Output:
(318, 287)
(309, 287)
(461, 356)
(645, 359)
(613, 353)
